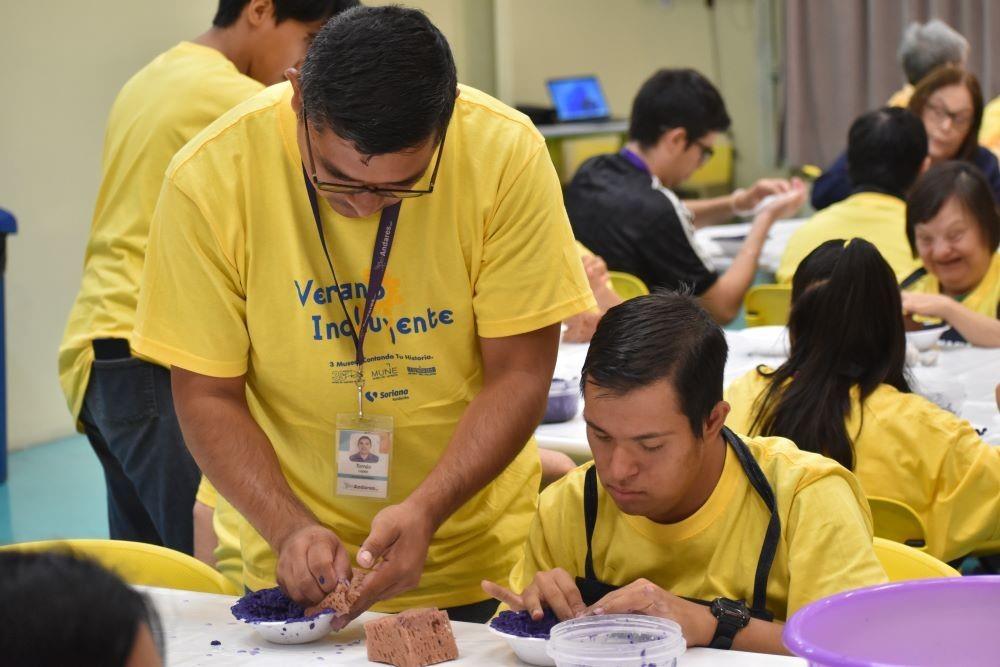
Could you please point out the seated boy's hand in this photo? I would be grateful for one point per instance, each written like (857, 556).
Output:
(555, 589)
(644, 597)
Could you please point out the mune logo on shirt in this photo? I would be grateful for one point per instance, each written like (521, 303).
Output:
(321, 328)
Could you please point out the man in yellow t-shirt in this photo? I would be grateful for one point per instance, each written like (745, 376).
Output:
(679, 517)
(273, 232)
(123, 402)
(886, 151)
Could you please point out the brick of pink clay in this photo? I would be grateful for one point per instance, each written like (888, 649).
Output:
(413, 638)
(342, 597)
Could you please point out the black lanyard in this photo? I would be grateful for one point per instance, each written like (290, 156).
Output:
(380, 260)
(593, 589)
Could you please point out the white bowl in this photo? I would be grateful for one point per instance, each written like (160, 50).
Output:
(529, 649)
(924, 339)
(294, 632)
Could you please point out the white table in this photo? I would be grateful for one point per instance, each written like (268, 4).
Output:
(722, 242)
(191, 621)
(958, 367)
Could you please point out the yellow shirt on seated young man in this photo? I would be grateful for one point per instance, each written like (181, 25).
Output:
(236, 282)
(825, 546)
(878, 218)
(910, 450)
(164, 105)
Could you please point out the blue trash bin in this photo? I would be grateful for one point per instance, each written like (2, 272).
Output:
(8, 225)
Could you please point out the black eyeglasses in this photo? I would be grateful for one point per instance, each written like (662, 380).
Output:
(360, 188)
(706, 153)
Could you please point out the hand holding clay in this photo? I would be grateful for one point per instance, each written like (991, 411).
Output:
(311, 561)
(554, 589)
(644, 597)
(395, 551)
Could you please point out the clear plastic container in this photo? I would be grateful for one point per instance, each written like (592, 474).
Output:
(564, 400)
(616, 640)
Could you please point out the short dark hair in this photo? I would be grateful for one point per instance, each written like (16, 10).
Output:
(886, 149)
(808, 398)
(674, 98)
(663, 335)
(950, 75)
(382, 78)
(61, 610)
(304, 11)
(964, 182)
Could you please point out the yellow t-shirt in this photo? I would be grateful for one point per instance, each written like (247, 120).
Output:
(901, 97)
(875, 217)
(157, 111)
(226, 524)
(236, 283)
(983, 299)
(909, 450)
(825, 546)
(989, 129)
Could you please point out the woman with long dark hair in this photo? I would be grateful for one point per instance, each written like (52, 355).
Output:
(844, 393)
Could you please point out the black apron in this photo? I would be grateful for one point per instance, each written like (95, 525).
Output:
(592, 589)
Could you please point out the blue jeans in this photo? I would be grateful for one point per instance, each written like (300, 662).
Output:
(128, 416)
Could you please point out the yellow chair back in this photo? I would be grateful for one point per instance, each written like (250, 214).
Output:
(577, 150)
(716, 175)
(903, 563)
(626, 285)
(141, 564)
(897, 522)
(768, 305)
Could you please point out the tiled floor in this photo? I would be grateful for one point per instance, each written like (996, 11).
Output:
(54, 490)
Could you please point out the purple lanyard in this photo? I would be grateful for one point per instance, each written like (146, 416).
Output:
(380, 260)
(634, 160)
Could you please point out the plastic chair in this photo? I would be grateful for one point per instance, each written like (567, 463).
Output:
(574, 151)
(767, 305)
(140, 564)
(897, 522)
(626, 285)
(903, 563)
(716, 175)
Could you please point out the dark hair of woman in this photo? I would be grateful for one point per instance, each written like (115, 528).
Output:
(942, 77)
(964, 182)
(845, 330)
(61, 610)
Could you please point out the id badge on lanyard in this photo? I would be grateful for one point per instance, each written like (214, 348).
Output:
(363, 443)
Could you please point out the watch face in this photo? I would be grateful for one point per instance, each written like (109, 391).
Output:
(731, 609)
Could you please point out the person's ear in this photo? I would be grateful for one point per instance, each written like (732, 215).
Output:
(925, 165)
(292, 75)
(715, 421)
(260, 12)
(673, 141)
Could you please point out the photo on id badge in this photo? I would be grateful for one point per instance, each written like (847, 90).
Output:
(364, 451)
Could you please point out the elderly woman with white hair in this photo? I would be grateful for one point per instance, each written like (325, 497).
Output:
(925, 47)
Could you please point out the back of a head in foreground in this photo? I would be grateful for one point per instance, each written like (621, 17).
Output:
(846, 331)
(60, 610)
(663, 335)
(886, 149)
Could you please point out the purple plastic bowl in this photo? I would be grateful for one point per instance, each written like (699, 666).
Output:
(564, 398)
(923, 623)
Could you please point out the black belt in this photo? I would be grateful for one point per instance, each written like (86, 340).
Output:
(109, 349)
(593, 589)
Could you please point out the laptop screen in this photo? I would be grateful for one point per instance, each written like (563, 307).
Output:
(578, 98)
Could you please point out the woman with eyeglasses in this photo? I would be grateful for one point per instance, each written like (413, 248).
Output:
(844, 393)
(950, 103)
(953, 225)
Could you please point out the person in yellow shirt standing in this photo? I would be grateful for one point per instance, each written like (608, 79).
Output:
(844, 393)
(886, 150)
(123, 402)
(371, 250)
(679, 516)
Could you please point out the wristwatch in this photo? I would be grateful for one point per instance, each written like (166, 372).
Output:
(732, 616)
